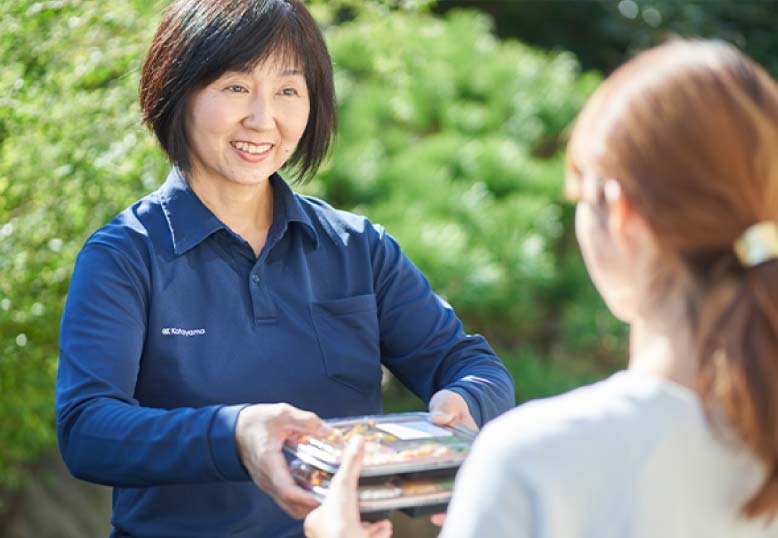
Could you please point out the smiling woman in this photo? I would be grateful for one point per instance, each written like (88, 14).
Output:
(200, 42)
(202, 320)
(243, 119)
(240, 129)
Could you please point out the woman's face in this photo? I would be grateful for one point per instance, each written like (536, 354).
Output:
(244, 126)
(614, 269)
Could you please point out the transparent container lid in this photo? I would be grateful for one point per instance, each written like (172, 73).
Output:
(395, 443)
(383, 494)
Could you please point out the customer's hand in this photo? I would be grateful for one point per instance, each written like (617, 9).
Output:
(438, 519)
(260, 433)
(338, 516)
(447, 407)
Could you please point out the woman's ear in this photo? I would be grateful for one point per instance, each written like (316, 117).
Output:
(618, 206)
(626, 226)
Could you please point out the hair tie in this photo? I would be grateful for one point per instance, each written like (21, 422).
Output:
(758, 244)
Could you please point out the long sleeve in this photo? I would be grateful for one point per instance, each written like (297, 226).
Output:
(423, 342)
(105, 436)
(173, 325)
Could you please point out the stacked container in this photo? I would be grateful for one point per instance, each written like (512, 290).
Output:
(409, 462)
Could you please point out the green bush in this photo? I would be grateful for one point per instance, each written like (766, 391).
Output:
(72, 154)
(604, 33)
(449, 137)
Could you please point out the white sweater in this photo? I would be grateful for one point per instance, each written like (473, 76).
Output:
(630, 456)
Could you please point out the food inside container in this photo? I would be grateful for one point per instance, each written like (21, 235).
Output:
(409, 463)
(394, 444)
(382, 494)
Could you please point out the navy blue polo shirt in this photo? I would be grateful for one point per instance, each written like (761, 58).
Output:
(172, 325)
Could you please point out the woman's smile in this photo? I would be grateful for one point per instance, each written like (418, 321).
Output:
(261, 113)
(250, 151)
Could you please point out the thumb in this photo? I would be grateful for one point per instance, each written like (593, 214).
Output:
(446, 406)
(441, 415)
(305, 422)
(347, 476)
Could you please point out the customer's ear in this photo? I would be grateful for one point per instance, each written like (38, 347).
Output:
(627, 227)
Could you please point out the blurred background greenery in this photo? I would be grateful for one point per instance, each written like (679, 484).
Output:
(453, 119)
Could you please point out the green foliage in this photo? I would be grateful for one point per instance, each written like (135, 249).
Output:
(538, 377)
(72, 154)
(448, 137)
(451, 139)
(642, 23)
(603, 33)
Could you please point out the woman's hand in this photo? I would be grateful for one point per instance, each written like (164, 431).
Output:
(260, 433)
(338, 516)
(447, 407)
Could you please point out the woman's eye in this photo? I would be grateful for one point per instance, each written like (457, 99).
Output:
(236, 88)
(289, 92)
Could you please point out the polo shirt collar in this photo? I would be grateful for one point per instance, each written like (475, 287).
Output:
(191, 222)
(287, 208)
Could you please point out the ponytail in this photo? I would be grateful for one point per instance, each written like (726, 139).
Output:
(690, 130)
(738, 368)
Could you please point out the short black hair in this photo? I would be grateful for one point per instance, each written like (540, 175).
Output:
(199, 40)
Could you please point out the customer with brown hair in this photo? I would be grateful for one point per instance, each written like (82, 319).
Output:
(674, 166)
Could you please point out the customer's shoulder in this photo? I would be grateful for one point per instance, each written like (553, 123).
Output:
(598, 414)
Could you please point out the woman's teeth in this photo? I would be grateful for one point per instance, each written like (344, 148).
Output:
(252, 148)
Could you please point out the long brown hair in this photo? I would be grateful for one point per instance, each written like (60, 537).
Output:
(690, 131)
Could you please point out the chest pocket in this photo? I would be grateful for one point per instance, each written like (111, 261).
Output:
(347, 331)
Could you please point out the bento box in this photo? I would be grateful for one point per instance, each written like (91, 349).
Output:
(379, 495)
(394, 444)
(409, 462)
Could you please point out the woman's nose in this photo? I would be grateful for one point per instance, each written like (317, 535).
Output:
(260, 115)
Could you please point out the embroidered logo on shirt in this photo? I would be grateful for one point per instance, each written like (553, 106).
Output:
(175, 331)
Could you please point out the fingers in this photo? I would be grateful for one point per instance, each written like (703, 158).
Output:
(260, 434)
(339, 514)
(303, 422)
(347, 476)
(448, 419)
(379, 529)
(297, 504)
(469, 422)
(296, 501)
(315, 525)
(442, 418)
(447, 407)
(438, 519)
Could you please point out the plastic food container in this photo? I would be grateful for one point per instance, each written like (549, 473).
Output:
(397, 443)
(409, 462)
(380, 495)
